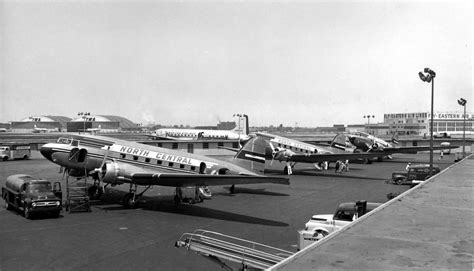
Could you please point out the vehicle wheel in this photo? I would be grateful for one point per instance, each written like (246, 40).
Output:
(27, 212)
(56, 214)
(7, 205)
(399, 181)
(320, 234)
(191, 201)
(25, 157)
(5, 158)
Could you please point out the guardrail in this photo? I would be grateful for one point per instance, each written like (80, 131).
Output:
(247, 253)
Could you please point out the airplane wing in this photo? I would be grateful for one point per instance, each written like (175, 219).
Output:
(330, 157)
(393, 150)
(179, 180)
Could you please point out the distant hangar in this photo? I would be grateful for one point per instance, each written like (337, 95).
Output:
(100, 123)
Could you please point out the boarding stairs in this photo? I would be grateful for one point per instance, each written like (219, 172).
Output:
(220, 247)
(77, 196)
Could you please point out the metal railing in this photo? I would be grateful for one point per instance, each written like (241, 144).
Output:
(247, 253)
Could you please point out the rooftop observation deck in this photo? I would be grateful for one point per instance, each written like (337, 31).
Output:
(429, 227)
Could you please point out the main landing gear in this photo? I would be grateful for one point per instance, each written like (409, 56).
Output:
(131, 199)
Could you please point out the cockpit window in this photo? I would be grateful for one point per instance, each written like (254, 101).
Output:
(64, 140)
(68, 141)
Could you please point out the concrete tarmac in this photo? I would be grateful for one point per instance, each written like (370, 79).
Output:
(430, 227)
(113, 238)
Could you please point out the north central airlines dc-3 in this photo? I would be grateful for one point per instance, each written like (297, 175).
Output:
(116, 162)
(293, 151)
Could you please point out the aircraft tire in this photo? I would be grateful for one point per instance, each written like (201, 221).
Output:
(95, 192)
(128, 201)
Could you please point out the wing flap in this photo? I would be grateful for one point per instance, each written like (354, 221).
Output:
(179, 180)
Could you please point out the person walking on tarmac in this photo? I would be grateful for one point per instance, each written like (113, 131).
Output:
(338, 166)
(408, 166)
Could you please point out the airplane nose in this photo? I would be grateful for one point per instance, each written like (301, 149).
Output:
(47, 151)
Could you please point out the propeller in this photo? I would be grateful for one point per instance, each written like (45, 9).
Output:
(101, 170)
(274, 152)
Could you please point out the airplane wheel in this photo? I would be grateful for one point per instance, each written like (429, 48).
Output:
(95, 192)
(128, 201)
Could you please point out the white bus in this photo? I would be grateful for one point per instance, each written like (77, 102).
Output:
(15, 151)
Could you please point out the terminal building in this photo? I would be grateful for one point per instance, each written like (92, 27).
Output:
(418, 123)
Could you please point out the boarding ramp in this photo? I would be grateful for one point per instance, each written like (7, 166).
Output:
(220, 247)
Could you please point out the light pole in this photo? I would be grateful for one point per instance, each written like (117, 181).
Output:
(368, 118)
(83, 115)
(462, 102)
(428, 77)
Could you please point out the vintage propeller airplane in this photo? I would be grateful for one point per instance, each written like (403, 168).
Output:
(113, 161)
(293, 151)
(240, 132)
(363, 142)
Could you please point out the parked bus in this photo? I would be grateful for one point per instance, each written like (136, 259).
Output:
(14, 151)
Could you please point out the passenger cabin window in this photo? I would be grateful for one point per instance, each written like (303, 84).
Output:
(175, 146)
(159, 162)
(235, 145)
(147, 160)
(123, 155)
(205, 145)
(160, 145)
(220, 144)
(170, 164)
(181, 166)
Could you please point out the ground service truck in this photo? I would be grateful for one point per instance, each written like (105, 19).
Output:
(32, 195)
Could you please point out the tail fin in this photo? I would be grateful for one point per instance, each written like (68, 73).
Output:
(244, 127)
(339, 142)
(252, 155)
(395, 138)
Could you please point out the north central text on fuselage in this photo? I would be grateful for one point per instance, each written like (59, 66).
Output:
(155, 155)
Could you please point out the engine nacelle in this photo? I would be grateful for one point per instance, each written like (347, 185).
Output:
(112, 174)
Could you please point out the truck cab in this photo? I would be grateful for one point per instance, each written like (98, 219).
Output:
(32, 195)
(320, 226)
(414, 172)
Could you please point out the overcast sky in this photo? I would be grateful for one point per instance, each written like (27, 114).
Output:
(198, 62)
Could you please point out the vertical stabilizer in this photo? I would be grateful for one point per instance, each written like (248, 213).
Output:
(242, 124)
(339, 142)
(252, 155)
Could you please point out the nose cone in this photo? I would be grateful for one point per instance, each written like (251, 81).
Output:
(47, 151)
